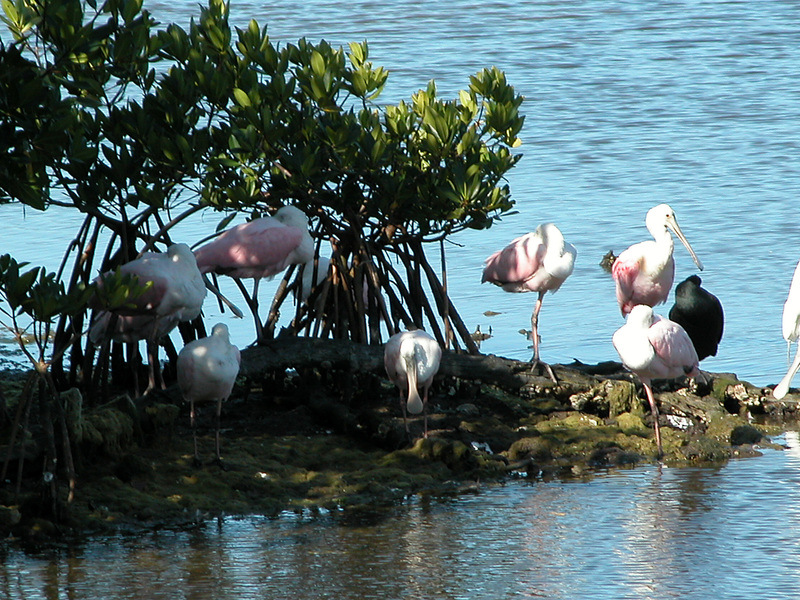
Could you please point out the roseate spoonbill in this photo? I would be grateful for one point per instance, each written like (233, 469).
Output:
(644, 272)
(699, 312)
(176, 294)
(654, 348)
(791, 332)
(412, 359)
(207, 370)
(259, 248)
(535, 262)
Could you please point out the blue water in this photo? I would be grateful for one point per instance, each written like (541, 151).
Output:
(653, 532)
(628, 104)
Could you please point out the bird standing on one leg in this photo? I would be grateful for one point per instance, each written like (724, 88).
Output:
(699, 312)
(536, 262)
(259, 248)
(412, 359)
(791, 332)
(207, 370)
(655, 348)
(644, 272)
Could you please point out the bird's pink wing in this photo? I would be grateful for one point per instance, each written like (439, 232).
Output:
(674, 347)
(517, 262)
(624, 272)
(259, 248)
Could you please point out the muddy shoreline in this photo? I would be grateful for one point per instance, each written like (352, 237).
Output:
(331, 437)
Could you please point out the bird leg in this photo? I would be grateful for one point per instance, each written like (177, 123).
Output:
(254, 307)
(194, 432)
(535, 361)
(216, 433)
(221, 298)
(405, 416)
(154, 372)
(425, 414)
(654, 410)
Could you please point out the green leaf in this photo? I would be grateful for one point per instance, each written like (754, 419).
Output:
(317, 64)
(241, 97)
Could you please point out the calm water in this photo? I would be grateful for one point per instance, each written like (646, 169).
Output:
(629, 104)
(652, 532)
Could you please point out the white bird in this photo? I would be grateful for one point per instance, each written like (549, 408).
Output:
(644, 272)
(412, 359)
(322, 268)
(207, 370)
(653, 347)
(535, 262)
(791, 332)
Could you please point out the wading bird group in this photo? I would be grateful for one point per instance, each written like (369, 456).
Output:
(650, 346)
(172, 289)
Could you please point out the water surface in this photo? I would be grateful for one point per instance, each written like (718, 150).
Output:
(651, 532)
(628, 104)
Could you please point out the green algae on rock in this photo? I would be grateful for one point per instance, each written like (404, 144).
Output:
(335, 440)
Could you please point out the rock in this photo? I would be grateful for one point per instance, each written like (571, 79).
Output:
(632, 424)
(9, 517)
(537, 448)
(622, 398)
(745, 434)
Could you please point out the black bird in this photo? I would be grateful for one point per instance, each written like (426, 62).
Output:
(699, 312)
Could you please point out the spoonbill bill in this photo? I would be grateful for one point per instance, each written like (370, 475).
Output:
(207, 370)
(699, 312)
(412, 360)
(644, 272)
(791, 332)
(654, 348)
(539, 262)
(259, 248)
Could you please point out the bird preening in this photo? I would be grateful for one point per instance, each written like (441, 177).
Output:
(649, 346)
(259, 249)
(172, 291)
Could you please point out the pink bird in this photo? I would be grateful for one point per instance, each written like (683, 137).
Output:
(653, 347)
(176, 293)
(791, 332)
(644, 272)
(207, 370)
(260, 248)
(536, 262)
(412, 359)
